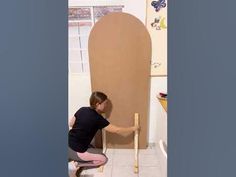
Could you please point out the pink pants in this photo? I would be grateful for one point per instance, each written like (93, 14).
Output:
(91, 158)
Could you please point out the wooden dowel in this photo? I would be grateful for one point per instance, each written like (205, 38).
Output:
(136, 123)
(104, 148)
(104, 141)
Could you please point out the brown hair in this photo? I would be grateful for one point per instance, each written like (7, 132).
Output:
(97, 97)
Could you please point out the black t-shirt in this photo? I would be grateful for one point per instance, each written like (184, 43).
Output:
(87, 123)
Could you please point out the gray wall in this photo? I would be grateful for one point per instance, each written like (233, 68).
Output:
(33, 82)
(201, 87)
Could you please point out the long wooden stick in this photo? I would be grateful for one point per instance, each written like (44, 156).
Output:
(136, 123)
(104, 147)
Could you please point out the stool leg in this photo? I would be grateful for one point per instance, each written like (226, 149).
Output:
(136, 123)
(104, 148)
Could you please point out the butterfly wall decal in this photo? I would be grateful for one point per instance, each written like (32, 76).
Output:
(158, 4)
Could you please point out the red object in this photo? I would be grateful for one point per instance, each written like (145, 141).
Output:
(163, 94)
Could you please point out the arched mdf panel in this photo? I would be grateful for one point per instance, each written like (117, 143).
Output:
(120, 55)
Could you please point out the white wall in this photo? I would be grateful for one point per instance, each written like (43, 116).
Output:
(158, 84)
(80, 86)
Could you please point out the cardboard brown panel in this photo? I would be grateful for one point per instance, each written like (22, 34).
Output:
(120, 55)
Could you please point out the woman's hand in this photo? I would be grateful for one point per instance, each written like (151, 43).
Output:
(134, 128)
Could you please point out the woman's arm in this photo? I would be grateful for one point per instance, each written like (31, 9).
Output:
(119, 130)
(71, 122)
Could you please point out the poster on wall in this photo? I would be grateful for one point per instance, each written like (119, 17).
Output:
(156, 23)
